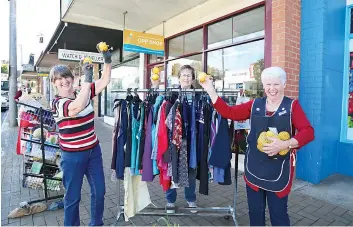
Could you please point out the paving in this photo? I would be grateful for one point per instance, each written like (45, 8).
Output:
(307, 206)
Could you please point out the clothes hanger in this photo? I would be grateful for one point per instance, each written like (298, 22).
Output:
(129, 97)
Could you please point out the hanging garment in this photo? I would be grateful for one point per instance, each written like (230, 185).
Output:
(183, 169)
(116, 128)
(221, 152)
(147, 173)
(128, 136)
(163, 142)
(203, 171)
(137, 196)
(193, 136)
(144, 123)
(140, 139)
(121, 141)
(134, 139)
(174, 123)
(156, 108)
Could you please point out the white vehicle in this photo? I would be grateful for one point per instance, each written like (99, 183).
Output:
(4, 95)
(4, 103)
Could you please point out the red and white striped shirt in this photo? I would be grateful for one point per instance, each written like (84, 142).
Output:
(75, 133)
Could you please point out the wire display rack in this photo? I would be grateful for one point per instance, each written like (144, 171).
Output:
(40, 157)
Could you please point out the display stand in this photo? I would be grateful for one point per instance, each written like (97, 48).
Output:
(226, 212)
(40, 170)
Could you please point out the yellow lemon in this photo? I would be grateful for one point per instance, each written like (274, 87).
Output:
(202, 77)
(270, 134)
(261, 141)
(283, 152)
(155, 77)
(155, 70)
(284, 135)
(102, 46)
(87, 59)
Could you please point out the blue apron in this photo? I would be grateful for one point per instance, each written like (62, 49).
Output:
(269, 173)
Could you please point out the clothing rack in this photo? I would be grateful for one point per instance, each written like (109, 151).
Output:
(225, 212)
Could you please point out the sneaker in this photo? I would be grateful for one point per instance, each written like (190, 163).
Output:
(170, 207)
(192, 205)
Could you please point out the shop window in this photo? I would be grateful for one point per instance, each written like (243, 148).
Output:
(249, 25)
(124, 76)
(349, 96)
(155, 59)
(193, 42)
(220, 33)
(173, 69)
(238, 67)
(239, 28)
(185, 44)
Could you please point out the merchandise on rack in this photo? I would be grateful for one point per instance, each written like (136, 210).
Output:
(38, 145)
(166, 135)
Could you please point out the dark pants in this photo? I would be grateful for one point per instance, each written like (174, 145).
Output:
(74, 166)
(257, 206)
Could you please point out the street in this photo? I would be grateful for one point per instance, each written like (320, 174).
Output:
(3, 115)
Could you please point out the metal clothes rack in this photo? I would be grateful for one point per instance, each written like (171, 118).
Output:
(225, 212)
(46, 166)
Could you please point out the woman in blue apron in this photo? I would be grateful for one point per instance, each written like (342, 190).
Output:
(269, 168)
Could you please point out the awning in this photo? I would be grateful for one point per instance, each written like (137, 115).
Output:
(141, 15)
(77, 37)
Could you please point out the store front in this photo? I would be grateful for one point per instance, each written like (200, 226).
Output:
(231, 49)
(325, 88)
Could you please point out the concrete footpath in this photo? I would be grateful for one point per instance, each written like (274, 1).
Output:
(330, 203)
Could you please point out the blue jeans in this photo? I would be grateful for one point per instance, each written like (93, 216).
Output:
(189, 192)
(74, 166)
(257, 206)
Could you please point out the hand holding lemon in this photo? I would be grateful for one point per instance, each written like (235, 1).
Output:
(103, 48)
(155, 77)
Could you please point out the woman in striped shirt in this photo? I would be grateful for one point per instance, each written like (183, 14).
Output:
(81, 153)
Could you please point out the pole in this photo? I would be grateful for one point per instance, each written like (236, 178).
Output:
(13, 65)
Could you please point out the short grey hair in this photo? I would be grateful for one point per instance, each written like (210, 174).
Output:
(274, 72)
(60, 71)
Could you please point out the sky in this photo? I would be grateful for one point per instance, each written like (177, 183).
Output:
(34, 17)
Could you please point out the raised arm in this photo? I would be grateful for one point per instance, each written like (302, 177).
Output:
(103, 82)
(235, 113)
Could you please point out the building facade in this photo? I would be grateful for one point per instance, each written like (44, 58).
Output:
(234, 41)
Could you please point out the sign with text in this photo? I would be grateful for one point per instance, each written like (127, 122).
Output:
(143, 43)
(74, 55)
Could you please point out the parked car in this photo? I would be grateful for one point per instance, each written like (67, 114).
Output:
(4, 103)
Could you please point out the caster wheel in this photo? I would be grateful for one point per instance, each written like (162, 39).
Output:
(227, 217)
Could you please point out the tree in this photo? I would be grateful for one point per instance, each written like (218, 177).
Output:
(259, 66)
(4, 68)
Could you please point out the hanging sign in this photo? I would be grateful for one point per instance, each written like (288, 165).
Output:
(143, 43)
(74, 55)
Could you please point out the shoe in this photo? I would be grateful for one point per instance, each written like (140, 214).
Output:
(192, 205)
(170, 207)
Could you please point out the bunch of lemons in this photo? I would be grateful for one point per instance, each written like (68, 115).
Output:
(155, 73)
(264, 139)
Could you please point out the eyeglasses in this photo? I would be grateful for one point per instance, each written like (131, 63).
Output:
(186, 76)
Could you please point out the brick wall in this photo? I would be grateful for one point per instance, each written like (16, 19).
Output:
(286, 41)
